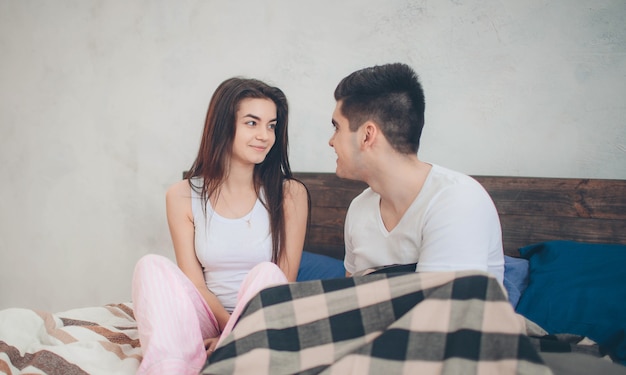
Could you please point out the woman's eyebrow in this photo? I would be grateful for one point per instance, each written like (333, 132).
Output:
(255, 117)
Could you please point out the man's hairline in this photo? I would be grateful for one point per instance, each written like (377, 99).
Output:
(340, 104)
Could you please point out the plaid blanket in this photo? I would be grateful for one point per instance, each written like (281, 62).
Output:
(445, 322)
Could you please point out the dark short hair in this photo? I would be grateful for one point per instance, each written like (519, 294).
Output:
(391, 96)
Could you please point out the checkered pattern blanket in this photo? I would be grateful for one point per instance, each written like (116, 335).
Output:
(444, 323)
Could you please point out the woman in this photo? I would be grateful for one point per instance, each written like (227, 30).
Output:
(237, 223)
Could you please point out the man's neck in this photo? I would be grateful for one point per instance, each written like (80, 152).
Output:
(398, 182)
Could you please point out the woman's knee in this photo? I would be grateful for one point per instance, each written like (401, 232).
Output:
(151, 264)
(267, 270)
(265, 273)
(266, 267)
(151, 261)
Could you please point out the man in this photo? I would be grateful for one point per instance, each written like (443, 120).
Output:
(412, 211)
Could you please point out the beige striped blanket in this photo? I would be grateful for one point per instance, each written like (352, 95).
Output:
(91, 340)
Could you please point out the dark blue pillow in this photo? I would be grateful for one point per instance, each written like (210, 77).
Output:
(319, 267)
(515, 277)
(578, 288)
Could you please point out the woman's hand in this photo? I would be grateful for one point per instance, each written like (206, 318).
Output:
(210, 344)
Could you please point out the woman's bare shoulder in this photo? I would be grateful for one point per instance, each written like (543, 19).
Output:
(294, 187)
(180, 189)
(295, 190)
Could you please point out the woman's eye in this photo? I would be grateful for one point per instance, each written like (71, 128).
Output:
(251, 123)
(272, 126)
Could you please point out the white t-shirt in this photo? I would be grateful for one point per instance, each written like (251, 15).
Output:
(229, 248)
(452, 225)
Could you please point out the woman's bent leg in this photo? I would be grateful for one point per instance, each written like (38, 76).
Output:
(263, 275)
(172, 318)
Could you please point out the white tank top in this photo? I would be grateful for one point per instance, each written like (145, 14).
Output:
(229, 248)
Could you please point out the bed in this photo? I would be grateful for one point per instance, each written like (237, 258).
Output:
(562, 310)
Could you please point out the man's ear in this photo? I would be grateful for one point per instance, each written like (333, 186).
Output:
(370, 133)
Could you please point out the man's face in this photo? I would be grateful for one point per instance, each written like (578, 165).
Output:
(345, 144)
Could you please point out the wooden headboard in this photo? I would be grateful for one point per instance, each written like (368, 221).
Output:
(531, 210)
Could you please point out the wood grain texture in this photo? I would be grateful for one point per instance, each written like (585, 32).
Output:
(531, 209)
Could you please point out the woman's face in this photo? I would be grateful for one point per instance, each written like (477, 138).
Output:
(255, 135)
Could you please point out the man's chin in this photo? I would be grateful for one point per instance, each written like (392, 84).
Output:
(348, 175)
(341, 174)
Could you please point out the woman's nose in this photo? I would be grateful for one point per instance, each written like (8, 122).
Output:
(262, 132)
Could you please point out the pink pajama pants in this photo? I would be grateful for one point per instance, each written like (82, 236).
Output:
(173, 318)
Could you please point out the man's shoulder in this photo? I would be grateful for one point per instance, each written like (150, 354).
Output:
(365, 196)
(444, 183)
(458, 190)
(441, 177)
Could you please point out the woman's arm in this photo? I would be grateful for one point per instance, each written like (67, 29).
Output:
(296, 206)
(180, 221)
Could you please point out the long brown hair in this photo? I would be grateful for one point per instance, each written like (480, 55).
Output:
(217, 144)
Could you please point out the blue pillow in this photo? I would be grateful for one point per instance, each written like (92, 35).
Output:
(515, 277)
(578, 288)
(319, 267)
